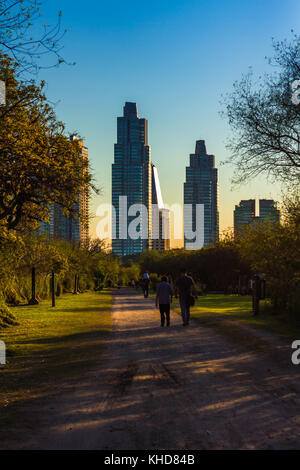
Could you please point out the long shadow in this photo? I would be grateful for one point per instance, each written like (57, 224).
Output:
(238, 390)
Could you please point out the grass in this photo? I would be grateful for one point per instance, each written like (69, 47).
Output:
(215, 309)
(51, 344)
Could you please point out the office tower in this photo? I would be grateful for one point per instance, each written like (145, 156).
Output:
(243, 215)
(47, 228)
(201, 187)
(160, 216)
(268, 209)
(70, 228)
(131, 183)
(80, 227)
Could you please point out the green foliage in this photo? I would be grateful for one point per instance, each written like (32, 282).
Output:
(217, 266)
(274, 250)
(265, 121)
(154, 280)
(18, 255)
(6, 316)
(28, 38)
(39, 164)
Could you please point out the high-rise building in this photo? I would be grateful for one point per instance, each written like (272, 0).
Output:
(131, 182)
(244, 213)
(70, 228)
(268, 209)
(201, 187)
(160, 216)
(80, 227)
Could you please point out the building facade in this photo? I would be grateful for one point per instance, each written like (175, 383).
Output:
(268, 209)
(131, 183)
(160, 216)
(245, 213)
(201, 187)
(72, 229)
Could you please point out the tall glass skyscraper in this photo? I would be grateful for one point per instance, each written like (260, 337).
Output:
(70, 228)
(160, 216)
(131, 182)
(201, 187)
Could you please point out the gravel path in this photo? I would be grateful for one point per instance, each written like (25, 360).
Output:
(171, 388)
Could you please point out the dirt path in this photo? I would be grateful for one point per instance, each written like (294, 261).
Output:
(170, 388)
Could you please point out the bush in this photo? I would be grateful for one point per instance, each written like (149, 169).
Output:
(6, 316)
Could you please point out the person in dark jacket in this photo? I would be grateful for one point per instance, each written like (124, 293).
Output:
(184, 287)
(164, 294)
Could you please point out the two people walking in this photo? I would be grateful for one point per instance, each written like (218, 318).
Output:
(184, 286)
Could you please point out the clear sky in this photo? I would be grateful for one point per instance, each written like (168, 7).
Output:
(175, 59)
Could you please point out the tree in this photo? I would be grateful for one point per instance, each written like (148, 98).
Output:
(265, 121)
(17, 18)
(274, 250)
(290, 208)
(39, 164)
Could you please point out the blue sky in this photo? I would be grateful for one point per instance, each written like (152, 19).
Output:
(175, 59)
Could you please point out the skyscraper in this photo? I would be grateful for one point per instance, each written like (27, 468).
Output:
(160, 216)
(131, 182)
(70, 228)
(244, 213)
(201, 187)
(80, 227)
(268, 209)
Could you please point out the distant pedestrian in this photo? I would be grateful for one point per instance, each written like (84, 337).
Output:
(184, 286)
(164, 293)
(145, 285)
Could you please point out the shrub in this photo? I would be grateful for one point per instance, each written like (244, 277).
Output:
(6, 316)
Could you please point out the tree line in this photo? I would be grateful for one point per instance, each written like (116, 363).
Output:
(40, 165)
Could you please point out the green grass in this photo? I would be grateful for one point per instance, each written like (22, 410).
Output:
(51, 344)
(215, 309)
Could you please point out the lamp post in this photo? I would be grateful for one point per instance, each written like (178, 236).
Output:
(53, 288)
(258, 292)
(75, 284)
(33, 300)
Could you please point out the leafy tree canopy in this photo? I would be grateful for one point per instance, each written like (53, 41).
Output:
(265, 121)
(33, 44)
(39, 164)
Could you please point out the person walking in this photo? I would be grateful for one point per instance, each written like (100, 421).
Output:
(184, 286)
(145, 285)
(164, 293)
